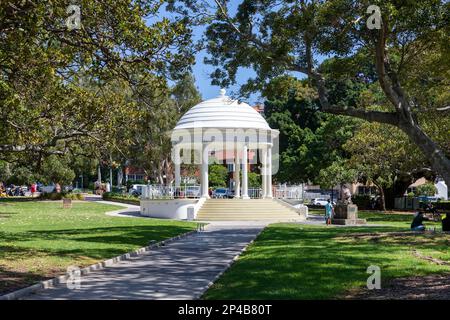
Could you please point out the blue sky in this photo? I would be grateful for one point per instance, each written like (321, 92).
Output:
(202, 71)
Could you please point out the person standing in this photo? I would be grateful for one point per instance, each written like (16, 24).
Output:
(33, 189)
(328, 212)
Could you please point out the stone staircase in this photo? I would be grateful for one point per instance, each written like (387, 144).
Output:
(247, 210)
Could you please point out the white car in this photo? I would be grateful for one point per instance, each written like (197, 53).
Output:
(320, 202)
(136, 189)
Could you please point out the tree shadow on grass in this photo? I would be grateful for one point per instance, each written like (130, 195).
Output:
(133, 235)
(13, 280)
(293, 262)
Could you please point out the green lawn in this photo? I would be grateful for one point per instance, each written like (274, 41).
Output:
(380, 218)
(292, 261)
(39, 240)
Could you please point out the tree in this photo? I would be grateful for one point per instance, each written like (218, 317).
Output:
(254, 180)
(149, 135)
(56, 170)
(338, 173)
(5, 171)
(383, 156)
(217, 175)
(310, 140)
(275, 38)
(427, 189)
(61, 87)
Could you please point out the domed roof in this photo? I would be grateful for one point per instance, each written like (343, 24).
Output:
(222, 112)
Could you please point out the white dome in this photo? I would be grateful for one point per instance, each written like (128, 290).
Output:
(222, 112)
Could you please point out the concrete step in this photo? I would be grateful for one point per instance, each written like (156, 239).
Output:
(246, 210)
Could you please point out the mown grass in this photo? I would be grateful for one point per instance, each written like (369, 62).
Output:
(293, 261)
(39, 240)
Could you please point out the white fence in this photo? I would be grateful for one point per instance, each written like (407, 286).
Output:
(170, 192)
(284, 191)
(193, 191)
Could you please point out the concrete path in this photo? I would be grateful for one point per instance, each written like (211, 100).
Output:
(129, 210)
(180, 270)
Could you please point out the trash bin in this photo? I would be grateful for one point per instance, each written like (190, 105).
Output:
(190, 213)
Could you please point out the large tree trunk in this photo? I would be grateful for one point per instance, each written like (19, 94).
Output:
(383, 200)
(402, 117)
(439, 162)
(99, 174)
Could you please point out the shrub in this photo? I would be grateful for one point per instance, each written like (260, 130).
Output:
(427, 189)
(217, 175)
(443, 205)
(254, 180)
(362, 201)
(59, 196)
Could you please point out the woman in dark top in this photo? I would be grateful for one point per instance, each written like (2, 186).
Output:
(417, 223)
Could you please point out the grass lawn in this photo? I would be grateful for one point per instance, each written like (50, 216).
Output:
(293, 261)
(39, 240)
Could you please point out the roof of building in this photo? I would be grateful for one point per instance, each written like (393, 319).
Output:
(222, 112)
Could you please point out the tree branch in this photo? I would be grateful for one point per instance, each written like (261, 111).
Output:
(371, 116)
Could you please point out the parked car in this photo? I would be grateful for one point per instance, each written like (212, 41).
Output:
(320, 202)
(220, 193)
(46, 189)
(16, 191)
(136, 190)
(192, 192)
(230, 194)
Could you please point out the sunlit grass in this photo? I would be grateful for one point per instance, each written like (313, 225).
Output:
(40, 239)
(292, 261)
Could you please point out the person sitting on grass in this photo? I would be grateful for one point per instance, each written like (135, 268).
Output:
(417, 223)
(328, 212)
(446, 223)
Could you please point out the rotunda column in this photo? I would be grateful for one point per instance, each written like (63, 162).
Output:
(244, 172)
(269, 172)
(204, 171)
(236, 174)
(177, 166)
(264, 172)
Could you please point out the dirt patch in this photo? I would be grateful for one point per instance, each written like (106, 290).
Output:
(408, 237)
(432, 287)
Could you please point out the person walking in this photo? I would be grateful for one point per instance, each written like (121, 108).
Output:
(328, 212)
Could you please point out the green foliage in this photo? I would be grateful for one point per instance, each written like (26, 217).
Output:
(22, 176)
(56, 170)
(407, 80)
(119, 197)
(427, 189)
(60, 196)
(337, 173)
(217, 175)
(5, 171)
(362, 201)
(309, 139)
(74, 91)
(254, 180)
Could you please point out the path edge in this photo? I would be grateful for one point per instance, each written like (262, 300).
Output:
(229, 264)
(46, 284)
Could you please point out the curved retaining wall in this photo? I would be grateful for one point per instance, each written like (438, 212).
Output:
(171, 209)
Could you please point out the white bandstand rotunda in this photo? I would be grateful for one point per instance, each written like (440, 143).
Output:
(227, 126)
(234, 130)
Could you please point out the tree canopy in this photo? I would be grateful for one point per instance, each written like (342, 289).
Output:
(292, 37)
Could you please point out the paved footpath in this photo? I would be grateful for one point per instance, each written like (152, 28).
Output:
(179, 270)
